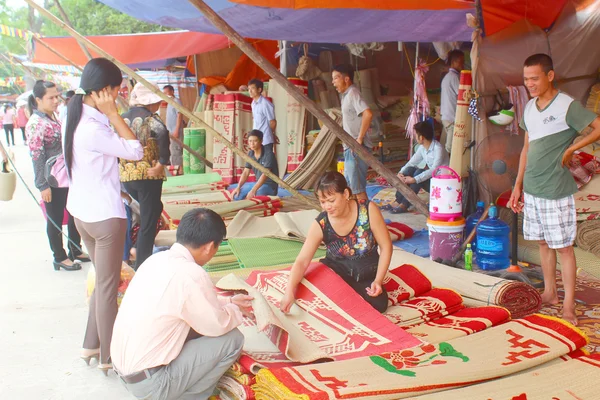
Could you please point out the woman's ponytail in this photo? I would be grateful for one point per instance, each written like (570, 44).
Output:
(31, 104)
(74, 111)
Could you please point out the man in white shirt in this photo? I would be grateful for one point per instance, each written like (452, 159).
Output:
(356, 120)
(449, 98)
(433, 153)
(174, 337)
(263, 115)
(62, 109)
(175, 126)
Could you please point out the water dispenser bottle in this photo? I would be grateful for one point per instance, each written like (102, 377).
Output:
(493, 242)
(472, 221)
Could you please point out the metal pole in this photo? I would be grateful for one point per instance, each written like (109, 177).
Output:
(310, 105)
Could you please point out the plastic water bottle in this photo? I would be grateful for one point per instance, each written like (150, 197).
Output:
(493, 242)
(469, 258)
(472, 222)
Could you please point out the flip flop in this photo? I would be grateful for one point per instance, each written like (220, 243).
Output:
(398, 210)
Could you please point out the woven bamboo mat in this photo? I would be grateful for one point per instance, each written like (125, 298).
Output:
(264, 252)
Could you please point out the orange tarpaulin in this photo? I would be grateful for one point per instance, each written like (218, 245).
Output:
(366, 4)
(132, 49)
(245, 69)
(499, 14)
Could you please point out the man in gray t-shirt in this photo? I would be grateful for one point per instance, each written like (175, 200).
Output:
(175, 127)
(356, 120)
(449, 98)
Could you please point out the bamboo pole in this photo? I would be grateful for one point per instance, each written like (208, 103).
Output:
(68, 22)
(170, 101)
(310, 105)
(56, 52)
(12, 61)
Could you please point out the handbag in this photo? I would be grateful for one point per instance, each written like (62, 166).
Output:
(56, 172)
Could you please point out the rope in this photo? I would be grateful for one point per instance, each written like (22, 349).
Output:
(59, 227)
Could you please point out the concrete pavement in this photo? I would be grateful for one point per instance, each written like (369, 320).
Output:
(42, 312)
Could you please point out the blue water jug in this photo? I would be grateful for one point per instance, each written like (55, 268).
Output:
(472, 221)
(493, 243)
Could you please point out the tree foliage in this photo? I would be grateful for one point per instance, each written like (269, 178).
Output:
(89, 17)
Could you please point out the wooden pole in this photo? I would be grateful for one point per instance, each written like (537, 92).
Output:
(310, 105)
(68, 22)
(12, 61)
(178, 107)
(50, 48)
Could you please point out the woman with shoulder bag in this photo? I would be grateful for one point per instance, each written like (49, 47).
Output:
(143, 179)
(44, 133)
(92, 149)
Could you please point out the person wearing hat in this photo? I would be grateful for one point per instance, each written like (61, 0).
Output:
(143, 179)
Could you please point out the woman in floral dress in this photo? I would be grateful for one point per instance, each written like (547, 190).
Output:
(352, 231)
(45, 141)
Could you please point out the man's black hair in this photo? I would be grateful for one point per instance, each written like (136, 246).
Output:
(170, 87)
(541, 59)
(345, 70)
(69, 94)
(258, 83)
(257, 133)
(200, 226)
(455, 55)
(424, 129)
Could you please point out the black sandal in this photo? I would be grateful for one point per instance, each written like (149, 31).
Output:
(58, 265)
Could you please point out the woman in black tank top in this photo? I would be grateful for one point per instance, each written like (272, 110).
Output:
(352, 231)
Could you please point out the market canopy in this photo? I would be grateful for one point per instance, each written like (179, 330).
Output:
(348, 21)
(132, 49)
(434, 20)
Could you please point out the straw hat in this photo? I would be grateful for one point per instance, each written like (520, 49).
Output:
(142, 96)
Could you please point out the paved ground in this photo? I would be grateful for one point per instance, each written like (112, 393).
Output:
(42, 312)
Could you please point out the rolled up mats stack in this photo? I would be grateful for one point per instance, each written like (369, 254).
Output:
(196, 139)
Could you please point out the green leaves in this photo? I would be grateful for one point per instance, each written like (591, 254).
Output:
(383, 363)
(446, 350)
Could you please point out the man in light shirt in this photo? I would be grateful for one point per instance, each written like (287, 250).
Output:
(356, 120)
(175, 126)
(174, 337)
(263, 115)
(433, 153)
(449, 98)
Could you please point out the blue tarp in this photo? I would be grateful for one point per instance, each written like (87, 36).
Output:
(306, 25)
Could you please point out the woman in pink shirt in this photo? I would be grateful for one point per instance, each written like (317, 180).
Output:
(22, 119)
(92, 149)
(8, 121)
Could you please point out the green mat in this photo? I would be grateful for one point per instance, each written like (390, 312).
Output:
(265, 252)
(223, 260)
(195, 179)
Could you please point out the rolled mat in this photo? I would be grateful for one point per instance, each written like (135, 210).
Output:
(517, 297)
(197, 142)
(187, 180)
(500, 351)
(186, 157)
(588, 237)
(528, 251)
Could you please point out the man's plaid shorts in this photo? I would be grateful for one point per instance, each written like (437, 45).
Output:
(553, 221)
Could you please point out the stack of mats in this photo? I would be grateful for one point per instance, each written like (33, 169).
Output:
(265, 252)
(320, 156)
(221, 203)
(477, 289)
(223, 260)
(498, 352)
(328, 322)
(236, 384)
(574, 376)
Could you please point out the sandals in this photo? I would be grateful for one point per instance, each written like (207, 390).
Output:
(81, 258)
(76, 266)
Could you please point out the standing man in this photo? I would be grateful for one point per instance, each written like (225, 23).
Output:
(450, 83)
(175, 127)
(263, 115)
(551, 121)
(174, 337)
(356, 120)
